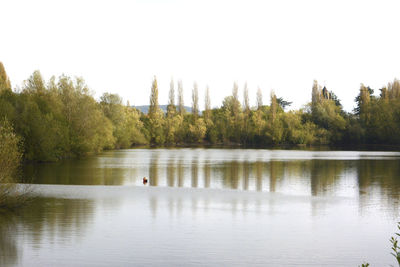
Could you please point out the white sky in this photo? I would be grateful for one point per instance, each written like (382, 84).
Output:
(118, 46)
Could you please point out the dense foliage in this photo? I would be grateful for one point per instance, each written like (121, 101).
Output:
(10, 157)
(60, 118)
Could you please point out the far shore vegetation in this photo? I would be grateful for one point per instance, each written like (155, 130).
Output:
(60, 118)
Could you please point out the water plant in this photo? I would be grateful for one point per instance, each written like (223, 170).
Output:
(395, 247)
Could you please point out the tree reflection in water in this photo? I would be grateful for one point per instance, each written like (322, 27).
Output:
(367, 179)
(43, 220)
(8, 247)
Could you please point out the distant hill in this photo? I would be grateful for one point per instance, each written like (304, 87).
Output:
(145, 109)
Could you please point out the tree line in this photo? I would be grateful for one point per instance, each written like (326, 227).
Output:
(60, 118)
(375, 120)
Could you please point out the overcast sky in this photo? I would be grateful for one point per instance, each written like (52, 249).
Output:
(118, 46)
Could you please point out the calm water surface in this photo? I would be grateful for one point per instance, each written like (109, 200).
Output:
(213, 207)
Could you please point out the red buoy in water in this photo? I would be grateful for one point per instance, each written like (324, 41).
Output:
(145, 180)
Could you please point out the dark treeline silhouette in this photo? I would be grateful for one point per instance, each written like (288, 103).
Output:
(59, 118)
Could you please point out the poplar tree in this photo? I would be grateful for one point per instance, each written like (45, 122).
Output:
(171, 109)
(316, 99)
(246, 117)
(207, 104)
(363, 103)
(171, 100)
(181, 105)
(364, 97)
(246, 98)
(274, 106)
(156, 119)
(195, 101)
(153, 109)
(316, 93)
(237, 115)
(172, 123)
(236, 102)
(4, 80)
(394, 89)
(235, 91)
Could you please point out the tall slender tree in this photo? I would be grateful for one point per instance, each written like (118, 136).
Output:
(394, 89)
(156, 117)
(235, 91)
(195, 101)
(207, 104)
(181, 105)
(274, 106)
(365, 98)
(236, 102)
(153, 109)
(246, 114)
(246, 98)
(316, 93)
(171, 109)
(4, 80)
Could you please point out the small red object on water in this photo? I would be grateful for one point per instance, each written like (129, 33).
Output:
(145, 180)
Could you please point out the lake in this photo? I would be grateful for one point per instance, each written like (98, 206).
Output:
(207, 207)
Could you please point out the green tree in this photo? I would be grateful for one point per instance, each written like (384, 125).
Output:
(246, 115)
(258, 125)
(40, 120)
(274, 106)
(379, 117)
(155, 117)
(207, 114)
(394, 89)
(5, 83)
(195, 101)
(181, 105)
(207, 104)
(172, 122)
(197, 130)
(89, 130)
(171, 108)
(327, 114)
(315, 94)
(10, 157)
(236, 103)
(246, 104)
(363, 99)
(125, 121)
(154, 107)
